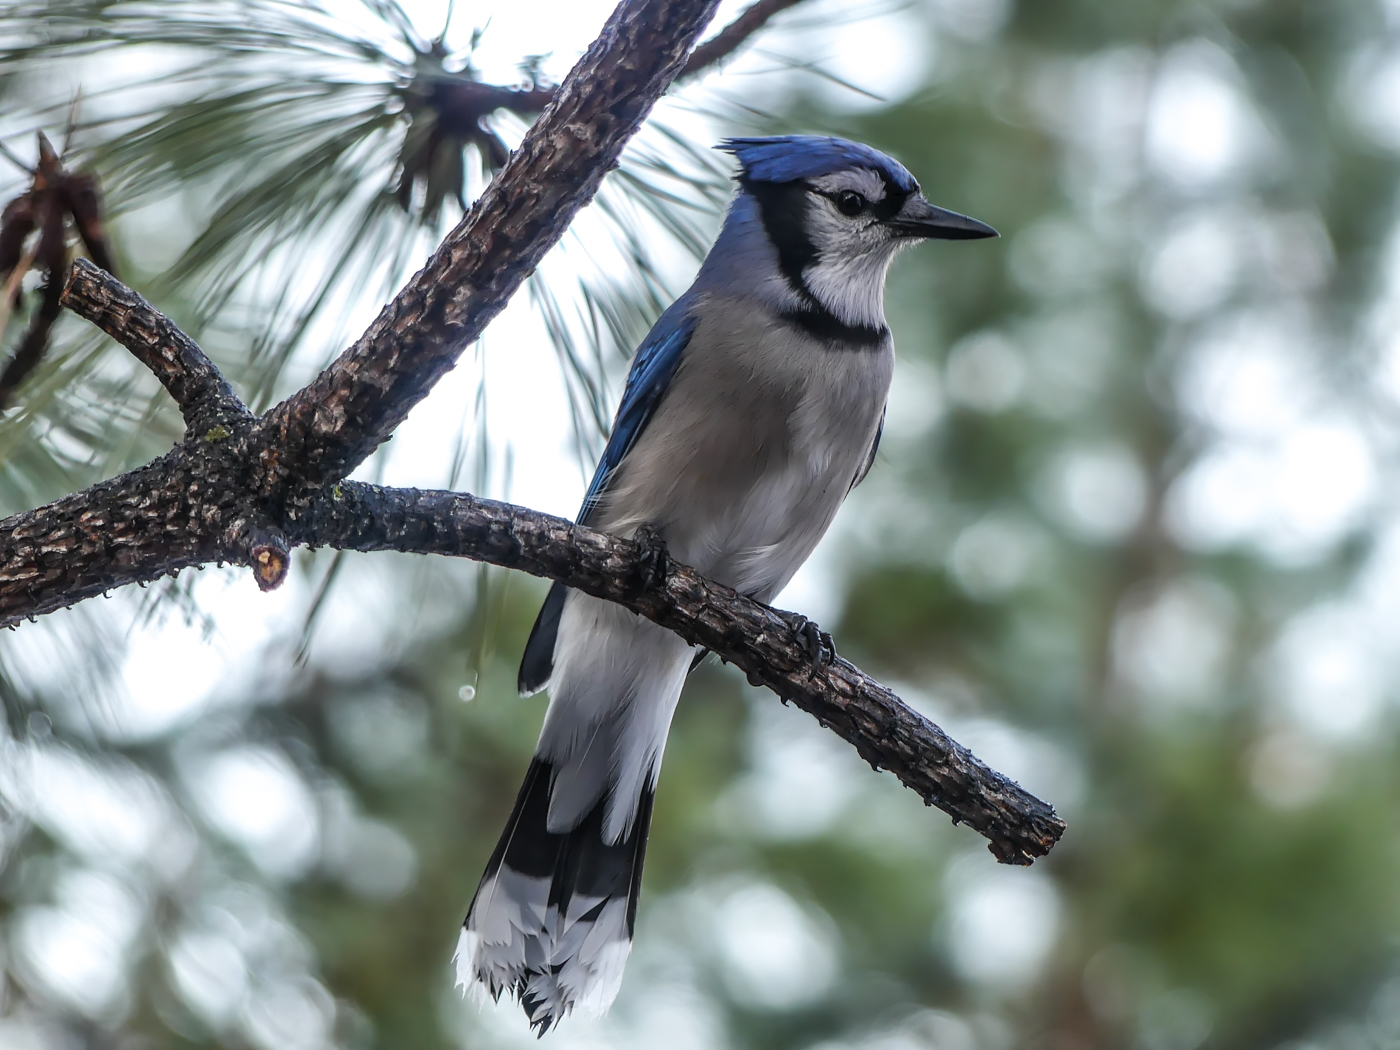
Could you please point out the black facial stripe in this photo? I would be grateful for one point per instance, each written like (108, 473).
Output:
(888, 207)
(782, 206)
(894, 198)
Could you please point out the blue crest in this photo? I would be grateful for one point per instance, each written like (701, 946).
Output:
(786, 158)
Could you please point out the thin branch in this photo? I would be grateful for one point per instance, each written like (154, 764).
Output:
(205, 398)
(759, 641)
(466, 102)
(731, 37)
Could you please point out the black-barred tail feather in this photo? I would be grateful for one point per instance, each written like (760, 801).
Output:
(551, 922)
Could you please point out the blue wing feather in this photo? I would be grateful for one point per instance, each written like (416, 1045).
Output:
(647, 381)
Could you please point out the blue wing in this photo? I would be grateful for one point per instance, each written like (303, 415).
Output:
(651, 374)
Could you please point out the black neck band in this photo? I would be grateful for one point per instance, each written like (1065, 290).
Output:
(782, 206)
(820, 322)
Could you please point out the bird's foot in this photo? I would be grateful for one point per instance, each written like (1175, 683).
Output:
(653, 560)
(815, 642)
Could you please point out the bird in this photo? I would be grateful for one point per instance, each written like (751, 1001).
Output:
(750, 411)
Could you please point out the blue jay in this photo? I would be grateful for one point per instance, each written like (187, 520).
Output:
(751, 409)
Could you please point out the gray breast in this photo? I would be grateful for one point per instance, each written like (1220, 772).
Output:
(755, 445)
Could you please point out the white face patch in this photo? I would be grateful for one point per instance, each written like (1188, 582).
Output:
(853, 251)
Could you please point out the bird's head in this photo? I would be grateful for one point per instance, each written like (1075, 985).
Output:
(836, 212)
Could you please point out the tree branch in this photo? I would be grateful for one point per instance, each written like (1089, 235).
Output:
(465, 103)
(244, 490)
(198, 387)
(203, 501)
(759, 641)
(731, 37)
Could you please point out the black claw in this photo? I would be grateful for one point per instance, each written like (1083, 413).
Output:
(653, 561)
(816, 643)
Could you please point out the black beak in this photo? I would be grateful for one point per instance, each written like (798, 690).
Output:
(919, 218)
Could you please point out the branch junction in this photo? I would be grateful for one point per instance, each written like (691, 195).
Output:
(245, 490)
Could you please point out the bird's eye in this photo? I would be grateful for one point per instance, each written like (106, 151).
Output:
(849, 202)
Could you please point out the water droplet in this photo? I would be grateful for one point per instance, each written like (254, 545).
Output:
(466, 693)
(40, 725)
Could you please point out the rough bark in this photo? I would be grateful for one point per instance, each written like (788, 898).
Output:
(205, 398)
(758, 640)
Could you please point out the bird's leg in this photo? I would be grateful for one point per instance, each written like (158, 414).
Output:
(815, 642)
(653, 561)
